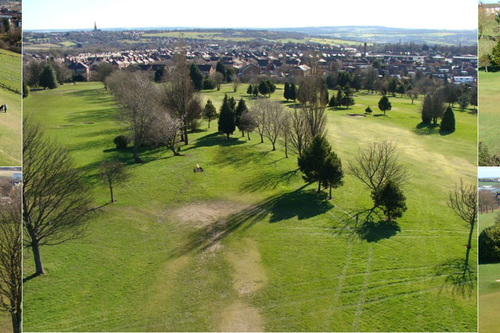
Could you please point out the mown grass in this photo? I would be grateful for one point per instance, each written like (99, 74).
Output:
(489, 119)
(10, 129)
(144, 267)
(10, 70)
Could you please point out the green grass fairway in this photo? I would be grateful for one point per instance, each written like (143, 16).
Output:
(10, 70)
(10, 122)
(489, 116)
(489, 298)
(489, 288)
(245, 245)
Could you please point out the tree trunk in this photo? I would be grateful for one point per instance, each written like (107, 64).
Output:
(186, 141)
(38, 260)
(135, 152)
(319, 186)
(468, 246)
(286, 149)
(330, 192)
(208, 123)
(261, 138)
(274, 146)
(227, 135)
(242, 134)
(111, 192)
(16, 319)
(248, 135)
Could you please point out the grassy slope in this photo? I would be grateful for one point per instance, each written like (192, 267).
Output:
(11, 74)
(10, 122)
(489, 289)
(489, 119)
(296, 265)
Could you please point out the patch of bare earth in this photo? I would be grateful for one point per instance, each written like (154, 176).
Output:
(248, 277)
(200, 214)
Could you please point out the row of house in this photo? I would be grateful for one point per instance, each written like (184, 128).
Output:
(284, 60)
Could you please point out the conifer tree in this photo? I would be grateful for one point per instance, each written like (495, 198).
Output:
(448, 121)
(286, 92)
(226, 118)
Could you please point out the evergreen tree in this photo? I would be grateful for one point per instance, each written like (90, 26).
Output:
(48, 78)
(324, 97)
(220, 68)
(196, 77)
(333, 101)
(463, 100)
(293, 92)
(391, 199)
(368, 110)
(264, 88)
(226, 118)
(340, 97)
(392, 86)
(272, 87)
(250, 90)
(427, 110)
(344, 78)
(332, 173)
(255, 91)
(347, 100)
(209, 112)
(286, 93)
(313, 159)
(448, 121)
(384, 104)
(239, 111)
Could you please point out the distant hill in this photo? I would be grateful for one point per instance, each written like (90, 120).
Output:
(376, 34)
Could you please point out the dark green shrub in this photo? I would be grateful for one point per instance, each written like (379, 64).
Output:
(489, 244)
(121, 141)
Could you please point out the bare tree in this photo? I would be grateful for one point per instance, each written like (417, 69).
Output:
(299, 137)
(286, 131)
(218, 78)
(236, 83)
(378, 163)
(113, 173)
(259, 114)
(137, 98)
(247, 123)
(315, 120)
(463, 201)
(56, 196)
(181, 98)
(11, 258)
(165, 131)
(274, 119)
(487, 201)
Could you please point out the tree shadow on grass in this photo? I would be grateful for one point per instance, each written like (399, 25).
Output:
(268, 181)
(460, 278)
(215, 139)
(375, 231)
(426, 129)
(368, 224)
(299, 203)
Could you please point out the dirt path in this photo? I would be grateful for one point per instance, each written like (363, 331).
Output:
(248, 277)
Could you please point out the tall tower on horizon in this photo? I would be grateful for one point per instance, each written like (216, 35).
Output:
(95, 26)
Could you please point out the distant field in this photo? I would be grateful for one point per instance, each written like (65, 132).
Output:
(286, 259)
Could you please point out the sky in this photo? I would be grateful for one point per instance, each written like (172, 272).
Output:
(488, 172)
(429, 14)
